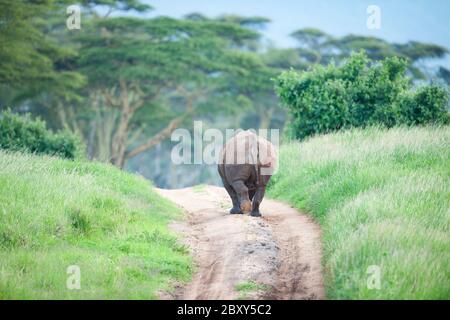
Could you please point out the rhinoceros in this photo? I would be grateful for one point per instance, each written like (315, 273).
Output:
(246, 163)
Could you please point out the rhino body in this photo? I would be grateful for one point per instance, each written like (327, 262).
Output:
(246, 164)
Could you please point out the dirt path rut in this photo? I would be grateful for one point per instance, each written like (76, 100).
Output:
(280, 252)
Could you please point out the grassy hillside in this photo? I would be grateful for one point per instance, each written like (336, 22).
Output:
(383, 199)
(56, 213)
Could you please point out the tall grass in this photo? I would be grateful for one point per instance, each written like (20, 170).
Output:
(383, 199)
(56, 213)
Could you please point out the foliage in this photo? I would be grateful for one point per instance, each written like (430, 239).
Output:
(382, 198)
(161, 70)
(318, 47)
(111, 224)
(426, 105)
(21, 133)
(31, 61)
(22, 54)
(357, 94)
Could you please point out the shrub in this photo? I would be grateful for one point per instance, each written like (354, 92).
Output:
(427, 104)
(21, 133)
(357, 94)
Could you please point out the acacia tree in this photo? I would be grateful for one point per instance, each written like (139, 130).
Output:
(137, 67)
(24, 55)
(31, 61)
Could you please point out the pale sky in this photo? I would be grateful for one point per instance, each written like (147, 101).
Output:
(401, 20)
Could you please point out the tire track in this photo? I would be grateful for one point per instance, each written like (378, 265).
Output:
(281, 250)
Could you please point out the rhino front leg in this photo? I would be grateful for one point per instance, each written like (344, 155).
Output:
(257, 199)
(242, 194)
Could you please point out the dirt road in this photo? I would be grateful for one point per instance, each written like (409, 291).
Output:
(238, 256)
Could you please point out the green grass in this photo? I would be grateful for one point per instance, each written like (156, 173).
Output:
(56, 213)
(382, 198)
(199, 188)
(248, 287)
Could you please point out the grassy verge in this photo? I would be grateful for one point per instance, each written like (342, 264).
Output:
(249, 287)
(383, 199)
(109, 224)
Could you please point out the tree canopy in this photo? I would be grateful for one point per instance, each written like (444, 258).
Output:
(315, 46)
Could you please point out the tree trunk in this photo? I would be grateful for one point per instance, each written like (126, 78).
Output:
(128, 106)
(91, 138)
(266, 118)
(105, 119)
(119, 143)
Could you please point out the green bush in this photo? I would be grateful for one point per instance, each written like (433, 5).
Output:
(426, 105)
(21, 133)
(357, 94)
